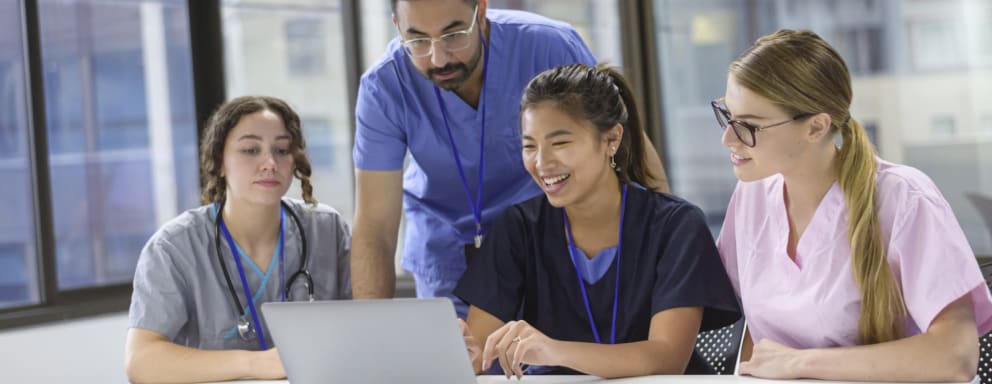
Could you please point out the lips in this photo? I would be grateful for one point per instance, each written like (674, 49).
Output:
(268, 183)
(737, 159)
(554, 184)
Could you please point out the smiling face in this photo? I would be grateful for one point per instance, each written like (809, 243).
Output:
(258, 162)
(433, 18)
(568, 159)
(778, 150)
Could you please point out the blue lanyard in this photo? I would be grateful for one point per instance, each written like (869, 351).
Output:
(241, 271)
(582, 285)
(477, 204)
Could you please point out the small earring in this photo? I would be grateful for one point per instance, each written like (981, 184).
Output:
(613, 163)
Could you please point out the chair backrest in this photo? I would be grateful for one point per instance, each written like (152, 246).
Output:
(983, 204)
(719, 347)
(985, 358)
(985, 342)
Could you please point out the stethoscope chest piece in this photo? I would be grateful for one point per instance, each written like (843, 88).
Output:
(245, 330)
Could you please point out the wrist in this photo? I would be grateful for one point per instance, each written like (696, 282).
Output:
(805, 362)
(558, 351)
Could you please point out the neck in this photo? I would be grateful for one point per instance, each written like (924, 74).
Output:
(471, 90)
(600, 207)
(253, 226)
(810, 180)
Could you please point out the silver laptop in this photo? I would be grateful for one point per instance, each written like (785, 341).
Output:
(409, 341)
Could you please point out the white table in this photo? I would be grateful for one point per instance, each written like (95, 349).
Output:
(675, 379)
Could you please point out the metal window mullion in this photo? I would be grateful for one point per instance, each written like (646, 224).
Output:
(44, 228)
(207, 53)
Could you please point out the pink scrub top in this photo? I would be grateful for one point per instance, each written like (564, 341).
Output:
(814, 302)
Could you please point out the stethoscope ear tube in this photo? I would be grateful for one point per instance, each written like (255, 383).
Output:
(244, 327)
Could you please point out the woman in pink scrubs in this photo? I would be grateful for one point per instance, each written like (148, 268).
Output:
(848, 267)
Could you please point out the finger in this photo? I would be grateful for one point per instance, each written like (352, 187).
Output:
(744, 369)
(519, 351)
(489, 352)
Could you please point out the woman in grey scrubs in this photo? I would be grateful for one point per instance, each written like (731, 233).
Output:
(201, 278)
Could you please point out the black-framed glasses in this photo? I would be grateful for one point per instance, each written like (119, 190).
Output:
(745, 131)
(450, 42)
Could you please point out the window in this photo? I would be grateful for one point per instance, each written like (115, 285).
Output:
(18, 266)
(913, 88)
(268, 45)
(122, 136)
(306, 46)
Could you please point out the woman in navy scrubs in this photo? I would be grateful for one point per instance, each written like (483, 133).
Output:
(598, 275)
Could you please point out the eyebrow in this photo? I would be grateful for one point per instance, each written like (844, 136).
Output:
(560, 132)
(453, 24)
(252, 136)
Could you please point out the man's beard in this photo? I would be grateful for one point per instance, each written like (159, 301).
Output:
(464, 71)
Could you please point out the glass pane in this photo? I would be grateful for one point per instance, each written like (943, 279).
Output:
(295, 51)
(922, 77)
(18, 267)
(597, 21)
(121, 130)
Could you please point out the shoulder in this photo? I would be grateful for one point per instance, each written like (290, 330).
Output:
(512, 22)
(902, 181)
(191, 223)
(320, 213)
(386, 72)
(661, 207)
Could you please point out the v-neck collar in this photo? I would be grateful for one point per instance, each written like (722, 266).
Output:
(816, 230)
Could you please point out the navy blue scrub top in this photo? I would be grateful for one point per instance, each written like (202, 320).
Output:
(668, 260)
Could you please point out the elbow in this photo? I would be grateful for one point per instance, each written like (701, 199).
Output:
(962, 363)
(135, 371)
(962, 370)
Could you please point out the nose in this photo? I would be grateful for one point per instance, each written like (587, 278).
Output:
(439, 55)
(542, 157)
(729, 138)
(269, 161)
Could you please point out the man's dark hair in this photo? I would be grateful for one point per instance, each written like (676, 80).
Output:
(471, 3)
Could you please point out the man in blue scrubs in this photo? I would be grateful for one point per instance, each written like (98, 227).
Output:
(448, 91)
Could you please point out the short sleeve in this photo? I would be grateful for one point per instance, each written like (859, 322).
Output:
(726, 243)
(936, 266)
(344, 259)
(158, 301)
(576, 49)
(494, 280)
(380, 142)
(689, 273)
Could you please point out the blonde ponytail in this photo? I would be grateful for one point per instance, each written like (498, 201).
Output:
(882, 307)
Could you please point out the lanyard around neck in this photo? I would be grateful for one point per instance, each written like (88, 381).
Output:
(582, 285)
(476, 205)
(241, 270)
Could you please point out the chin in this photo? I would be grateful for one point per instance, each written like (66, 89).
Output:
(557, 201)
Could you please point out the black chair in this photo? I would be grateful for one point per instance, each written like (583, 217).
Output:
(719, 347)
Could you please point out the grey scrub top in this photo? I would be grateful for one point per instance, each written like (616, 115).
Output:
(179, 286)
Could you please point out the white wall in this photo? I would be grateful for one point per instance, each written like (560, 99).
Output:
(77, 351)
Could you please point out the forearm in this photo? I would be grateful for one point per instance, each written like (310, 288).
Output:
(373, 274)
(924, 357)
(622, 360)
(165, 362)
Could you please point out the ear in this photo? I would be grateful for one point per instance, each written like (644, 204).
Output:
(819, 127)
(483, 22)
(613, 138)
(396, 22)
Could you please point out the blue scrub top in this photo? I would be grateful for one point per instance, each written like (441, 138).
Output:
(668, 259)
(397, 112)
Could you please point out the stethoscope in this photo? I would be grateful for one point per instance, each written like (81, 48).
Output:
(244, 327)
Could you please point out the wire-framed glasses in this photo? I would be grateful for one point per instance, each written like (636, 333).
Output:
(450, 42)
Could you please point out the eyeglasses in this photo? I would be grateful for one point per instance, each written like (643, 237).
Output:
(745, 131)
(450, 42)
